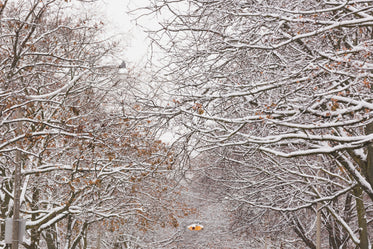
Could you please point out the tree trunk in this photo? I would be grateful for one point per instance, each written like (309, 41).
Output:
(68, 231)
(363, 231)
(369, 167)
(35, 234)
(51, 238)
(81, 236)
(17, 191)
(299, 230)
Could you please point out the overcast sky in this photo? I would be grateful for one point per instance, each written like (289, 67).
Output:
(122, 24)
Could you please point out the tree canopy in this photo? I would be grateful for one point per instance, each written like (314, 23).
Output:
(281, 94)
(87, 170)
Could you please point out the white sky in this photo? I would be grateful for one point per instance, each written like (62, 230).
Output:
(122, 24)
(119, 25)
(134, 39)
